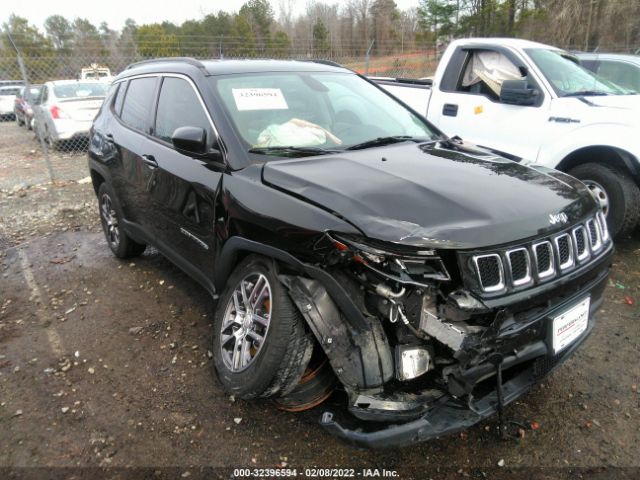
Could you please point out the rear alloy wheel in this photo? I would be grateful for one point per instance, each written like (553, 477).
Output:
(119, 242)
(616, 193)
(260, 346)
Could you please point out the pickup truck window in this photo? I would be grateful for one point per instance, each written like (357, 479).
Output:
(485, 71)
(569, 79)
(312, 109)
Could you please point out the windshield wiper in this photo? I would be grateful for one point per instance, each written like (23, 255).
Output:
(586, 93)
(381, 141)
(284, 150)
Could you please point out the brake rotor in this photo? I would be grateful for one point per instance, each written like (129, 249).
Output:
(315, 386)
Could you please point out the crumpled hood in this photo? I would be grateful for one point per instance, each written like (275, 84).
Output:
(431, 196)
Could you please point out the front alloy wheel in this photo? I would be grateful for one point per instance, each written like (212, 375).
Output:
(246, 322)
(261, 346)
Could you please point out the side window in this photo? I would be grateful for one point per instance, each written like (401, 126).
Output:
(138, 103)
(484, 73)
(119, 100)
(623, 74)
(179, 106)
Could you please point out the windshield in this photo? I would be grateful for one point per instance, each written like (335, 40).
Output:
(312, 109)
(568, 78)
(79, 90)
(33, 93)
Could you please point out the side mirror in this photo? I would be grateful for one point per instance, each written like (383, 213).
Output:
(192, 141)
(517, 92)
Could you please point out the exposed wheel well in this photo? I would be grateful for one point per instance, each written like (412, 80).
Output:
(97, 180)
(614, 157)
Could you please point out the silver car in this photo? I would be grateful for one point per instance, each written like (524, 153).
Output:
(65, 109)
(621, 69)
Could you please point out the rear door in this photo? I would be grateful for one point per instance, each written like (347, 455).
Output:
(183, 189)
(131, 170)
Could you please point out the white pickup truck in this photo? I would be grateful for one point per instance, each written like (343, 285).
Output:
(535, 104)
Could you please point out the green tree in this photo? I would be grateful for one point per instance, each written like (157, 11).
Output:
(127, 42)
(259, 16)
(280, 44)
(86, 39)
(28, 39)
(436, 18)
(321, 44)
(385, 17)
(153, 41)
(60, 32)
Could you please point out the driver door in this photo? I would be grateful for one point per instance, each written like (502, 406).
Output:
(476, 114)
(182, 190)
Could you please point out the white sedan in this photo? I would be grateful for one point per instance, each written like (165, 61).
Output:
(66, 108)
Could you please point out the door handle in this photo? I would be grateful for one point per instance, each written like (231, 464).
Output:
(150, 161)
(450, 110)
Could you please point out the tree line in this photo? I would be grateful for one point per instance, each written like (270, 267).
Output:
(335, 30)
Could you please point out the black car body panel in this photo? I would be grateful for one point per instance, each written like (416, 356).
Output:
(380, 249)
(379, 191)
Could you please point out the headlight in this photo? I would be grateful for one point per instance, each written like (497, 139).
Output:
(416, 268)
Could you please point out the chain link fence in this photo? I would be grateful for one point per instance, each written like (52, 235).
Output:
(44, 132)
(44, 135)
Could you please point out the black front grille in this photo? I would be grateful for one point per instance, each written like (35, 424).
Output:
(593, 233)
(581, 245)
(564, 249)
(519, 266)
(490, 270)
(544, 258)
(519, 261)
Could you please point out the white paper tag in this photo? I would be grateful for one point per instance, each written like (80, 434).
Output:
(259, 99)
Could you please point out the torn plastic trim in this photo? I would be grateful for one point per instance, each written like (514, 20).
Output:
(449, 415)
(361, 360)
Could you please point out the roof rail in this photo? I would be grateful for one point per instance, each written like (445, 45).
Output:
(189, 60)
(325, 62)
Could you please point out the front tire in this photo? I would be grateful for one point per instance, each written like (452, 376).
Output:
(260, 346)
(119, 242)
(617, 194)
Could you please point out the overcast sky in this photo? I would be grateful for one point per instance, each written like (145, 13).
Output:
(115, 12)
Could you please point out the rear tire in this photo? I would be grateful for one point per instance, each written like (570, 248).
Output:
(111, 216)
(270, 360)
(616, 192)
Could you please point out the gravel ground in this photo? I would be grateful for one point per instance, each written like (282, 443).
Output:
(105, 372)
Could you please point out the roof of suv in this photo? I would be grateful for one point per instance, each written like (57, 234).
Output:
(226, 67)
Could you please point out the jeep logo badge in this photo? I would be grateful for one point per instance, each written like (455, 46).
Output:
(558, 218)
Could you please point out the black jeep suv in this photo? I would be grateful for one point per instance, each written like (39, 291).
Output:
(348, 242)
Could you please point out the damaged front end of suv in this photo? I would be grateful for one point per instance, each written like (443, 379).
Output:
(433, 328)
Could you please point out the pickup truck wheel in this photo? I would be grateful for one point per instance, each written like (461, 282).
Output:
(119, 242)
(260, 345)
(617, 194)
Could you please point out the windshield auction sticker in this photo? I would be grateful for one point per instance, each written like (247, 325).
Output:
(259, 99)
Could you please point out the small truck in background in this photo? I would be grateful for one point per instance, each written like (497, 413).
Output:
(96, 72)
(535, 104)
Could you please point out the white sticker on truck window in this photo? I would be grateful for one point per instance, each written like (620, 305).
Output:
(259, 99)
